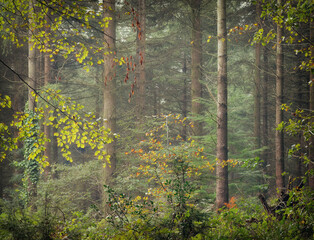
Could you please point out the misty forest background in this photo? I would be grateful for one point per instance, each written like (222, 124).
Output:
(141, 119)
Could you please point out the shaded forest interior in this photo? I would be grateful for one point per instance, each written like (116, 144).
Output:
(155, 119)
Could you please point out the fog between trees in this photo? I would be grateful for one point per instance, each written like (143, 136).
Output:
(156, 119)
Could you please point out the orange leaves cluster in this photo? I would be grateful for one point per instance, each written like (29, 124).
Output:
(135, 151)
(164, 155)
(231, 203)
(163, 150)
(240, 29)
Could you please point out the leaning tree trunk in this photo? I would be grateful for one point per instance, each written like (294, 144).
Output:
(109, 103)
(279, 155)
(222, 194)
(196, 62)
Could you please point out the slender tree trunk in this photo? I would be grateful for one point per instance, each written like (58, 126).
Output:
(264, 108)
(141, 72)
(257, 102)
(31, 62)
(39, 69)
(54, 146)
(279, 156)
(54, 141)
(196, 87)
(184, 100)
(109, 104)
(47, 132)
(47, 80)
(32, 186)
(47, 63)
(311, 156)
(222, 194)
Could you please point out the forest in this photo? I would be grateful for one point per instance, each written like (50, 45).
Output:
(156, 119)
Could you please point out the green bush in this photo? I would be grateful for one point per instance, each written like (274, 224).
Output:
(19, 223)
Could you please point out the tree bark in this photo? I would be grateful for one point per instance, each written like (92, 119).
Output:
(32, 186)
(311, 155)
(31, 62)
(109, 104)
(184, 100)
(279, 156)
(257, 100)
(222, 194)
(264, 108)
(141, 72)
(47, 80)
(196, 62)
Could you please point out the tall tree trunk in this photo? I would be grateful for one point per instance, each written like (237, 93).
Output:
(39, 68)
(184, 100)
(54, 141)
(109, 104)
(222, 193)
(31, 62)
(54, 145)
(32, 186)
(257, 100)
(141, 74)
(279, 156)
(47, 80)
(264, 108)
(196, 87)
(311, 156)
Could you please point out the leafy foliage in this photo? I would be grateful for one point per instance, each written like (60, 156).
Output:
(17, 222)
(65, 117)
(164, 182)
(27, 15)
(300, 124)
(291, 15)
(7, 143)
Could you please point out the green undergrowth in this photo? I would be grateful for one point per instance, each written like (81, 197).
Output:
(143, 219)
